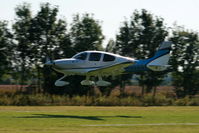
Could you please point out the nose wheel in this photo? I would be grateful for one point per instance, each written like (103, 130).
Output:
(61, 83)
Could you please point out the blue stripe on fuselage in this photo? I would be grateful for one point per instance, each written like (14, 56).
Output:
(141, 65)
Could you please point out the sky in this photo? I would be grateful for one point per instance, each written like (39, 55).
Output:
(111, 13)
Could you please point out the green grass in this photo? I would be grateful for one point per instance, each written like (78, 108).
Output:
(81, 119)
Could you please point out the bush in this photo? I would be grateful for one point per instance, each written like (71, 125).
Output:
(194, 102)
(182, 101)
(43, 99)
(158, 100)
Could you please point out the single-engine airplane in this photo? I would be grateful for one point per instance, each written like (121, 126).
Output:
(100, 64)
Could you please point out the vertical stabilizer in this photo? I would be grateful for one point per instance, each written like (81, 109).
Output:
(159, 62)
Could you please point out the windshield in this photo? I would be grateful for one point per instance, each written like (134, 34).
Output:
(81, 56)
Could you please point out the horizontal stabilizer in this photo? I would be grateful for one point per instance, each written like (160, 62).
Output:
(158, 67)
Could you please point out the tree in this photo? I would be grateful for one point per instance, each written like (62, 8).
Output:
(86, 34)
(38, 37)
(140, 38)
(50, 39)
(21, 36)
(6, 48)
(110, 46)
(184, 60)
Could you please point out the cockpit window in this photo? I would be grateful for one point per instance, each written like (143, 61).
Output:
(108, 58)
(81, 56)
(95, 57)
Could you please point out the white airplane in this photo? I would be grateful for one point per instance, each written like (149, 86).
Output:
(100, 64)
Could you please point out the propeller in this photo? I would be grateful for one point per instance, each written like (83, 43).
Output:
(49, 62)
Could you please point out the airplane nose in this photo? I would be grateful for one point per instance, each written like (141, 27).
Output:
(49, 63)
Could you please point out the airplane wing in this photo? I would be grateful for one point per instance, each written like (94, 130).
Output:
(110, 70)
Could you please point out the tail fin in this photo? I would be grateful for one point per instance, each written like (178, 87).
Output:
(159, 62)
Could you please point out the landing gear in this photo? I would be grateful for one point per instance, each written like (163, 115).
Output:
(100, 82)
(61, 83)
(87, 81)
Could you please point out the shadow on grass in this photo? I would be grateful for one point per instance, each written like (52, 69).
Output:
(76, 117)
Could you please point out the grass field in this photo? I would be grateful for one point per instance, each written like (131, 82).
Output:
(77, 119)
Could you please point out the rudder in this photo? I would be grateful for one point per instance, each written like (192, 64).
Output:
(159, 62)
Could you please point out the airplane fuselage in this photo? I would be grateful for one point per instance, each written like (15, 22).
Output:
(93, 60)
(100, 64)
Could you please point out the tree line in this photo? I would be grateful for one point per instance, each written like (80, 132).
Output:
(31, 38)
